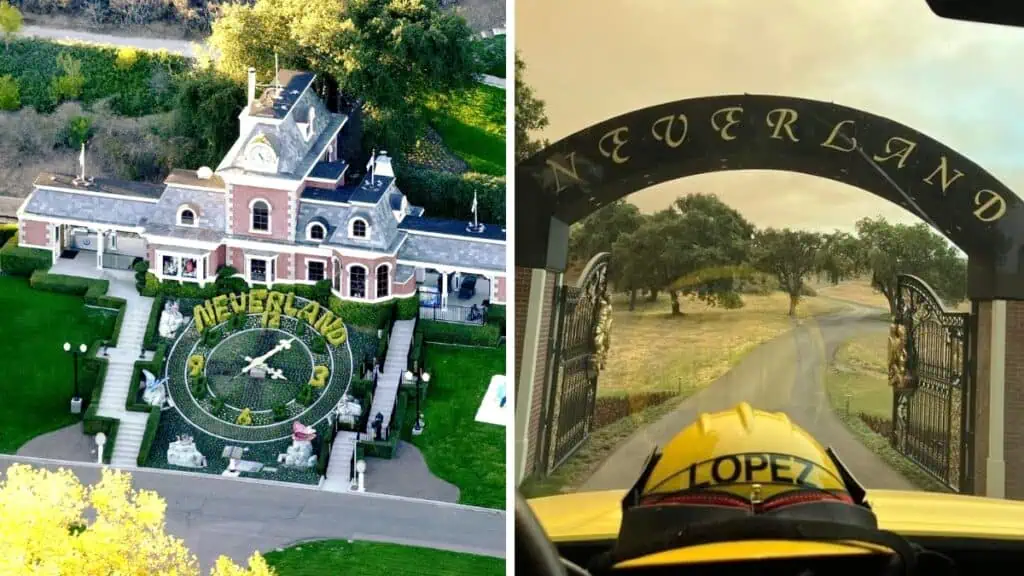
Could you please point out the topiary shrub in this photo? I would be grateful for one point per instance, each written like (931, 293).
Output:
(245, 418)
(198, 387)
(280, 411)
(305, 395)
(217, 406)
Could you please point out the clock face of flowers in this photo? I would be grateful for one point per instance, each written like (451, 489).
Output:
(248, 366)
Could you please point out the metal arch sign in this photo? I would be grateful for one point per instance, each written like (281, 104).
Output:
(594, 167)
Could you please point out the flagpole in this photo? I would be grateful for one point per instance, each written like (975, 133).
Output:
(476, 212)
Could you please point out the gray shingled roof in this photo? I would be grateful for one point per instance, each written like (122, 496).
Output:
(208, 204)
(335, 216)
(124, 211)
(454, 252)
(403, 273)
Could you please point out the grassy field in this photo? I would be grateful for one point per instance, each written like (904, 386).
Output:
(472, 126)
(457, 448)
(858, 383)
(37, 381)
(861, 292)
(653, 351)
(373, 558)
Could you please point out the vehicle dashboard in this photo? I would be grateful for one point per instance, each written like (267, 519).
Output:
(968, 557)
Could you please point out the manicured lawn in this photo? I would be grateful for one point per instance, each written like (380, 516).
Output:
(36, 375)
(457, 448)
(472, 126)
(373, 558)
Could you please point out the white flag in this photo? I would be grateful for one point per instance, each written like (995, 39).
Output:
(473, 209)
(81, 159)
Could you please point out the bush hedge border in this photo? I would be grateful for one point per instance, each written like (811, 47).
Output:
(154, 365)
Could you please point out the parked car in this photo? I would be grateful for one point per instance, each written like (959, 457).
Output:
(467, 289)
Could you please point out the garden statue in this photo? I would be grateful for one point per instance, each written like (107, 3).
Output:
(155, 393)
(378, 425)
(183, 452)
(348, 410)
(300, 453)
(170, 320)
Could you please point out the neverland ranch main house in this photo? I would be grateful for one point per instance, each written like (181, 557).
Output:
(277, 209)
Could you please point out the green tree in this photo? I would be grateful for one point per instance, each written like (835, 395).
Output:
(10, 22)
(530, 115)
(788, 255)
(693, 248)
(598, 232)
(894, 249)
(206, 116)
(842, 256)
(10, 93)
(390, 54)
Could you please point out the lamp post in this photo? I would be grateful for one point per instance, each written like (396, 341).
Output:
(76, 400)
(417, 429)
(101, 441)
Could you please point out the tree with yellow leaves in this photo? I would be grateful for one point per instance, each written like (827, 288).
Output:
(44, 529)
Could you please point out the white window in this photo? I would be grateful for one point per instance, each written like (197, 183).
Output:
(259, 216)
(357, 282)
(186, 216)
(316, 231)
(262, 270)
(358, 228)
(383, 280)
(316, 270)
(181, 267)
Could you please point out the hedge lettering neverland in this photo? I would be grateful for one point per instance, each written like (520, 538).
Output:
(270, 304)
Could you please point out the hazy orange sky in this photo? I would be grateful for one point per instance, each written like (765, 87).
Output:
(958, 82)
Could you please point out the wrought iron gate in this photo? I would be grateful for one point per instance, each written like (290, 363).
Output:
(576, 359)
(930, 372)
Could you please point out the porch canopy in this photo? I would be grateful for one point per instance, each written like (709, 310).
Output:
(447, 255)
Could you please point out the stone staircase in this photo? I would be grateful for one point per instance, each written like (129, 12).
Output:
(395, 365)
(120, 363)
(339, 468)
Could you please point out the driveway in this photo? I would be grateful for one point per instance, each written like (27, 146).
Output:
(216, 516)
(784, 374)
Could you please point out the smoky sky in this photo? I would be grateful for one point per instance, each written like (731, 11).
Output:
(957, 82)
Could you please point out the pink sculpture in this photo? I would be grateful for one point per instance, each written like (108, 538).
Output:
(302, 433)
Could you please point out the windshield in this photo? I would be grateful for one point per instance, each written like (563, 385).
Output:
(772, 203)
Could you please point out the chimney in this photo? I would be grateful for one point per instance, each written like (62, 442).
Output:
(252, 86)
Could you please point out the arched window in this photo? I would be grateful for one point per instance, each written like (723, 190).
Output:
(316, 231)
(383, 280)
(186, 216)
(359, 228)
(357, 282)
(260, 216)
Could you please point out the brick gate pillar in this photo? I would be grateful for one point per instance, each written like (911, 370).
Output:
(999, 399)
(534, 311)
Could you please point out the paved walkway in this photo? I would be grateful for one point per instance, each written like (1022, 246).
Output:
(395, 365)
(122, 358)
(69, 443)
(339, 467)
(407, 474)
(216, 515)
(784, 374)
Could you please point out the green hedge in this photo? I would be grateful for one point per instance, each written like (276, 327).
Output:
(359, 314)
(18, 261)
(108, 449)
(93, 293)
(150, 339)
(91, 422)
(496, 315)
(462, 334)
(325, 452)
(7, 231)
(385, 448)
(156, 366)
(416, 351)
(407, 308)
(152, 423)
(448, 195)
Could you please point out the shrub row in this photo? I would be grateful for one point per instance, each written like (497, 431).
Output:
(416, 351)
(92, 423)
(407, 308)
(93, 292)
(151, 337)
(487, 335)
(18, 261)
(134, 402)
(612, 409)
(152, 423)
(448, 195)
(325, 451)
(7, 231)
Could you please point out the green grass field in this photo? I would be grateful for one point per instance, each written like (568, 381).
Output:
(472, 126)
(457, 448)
(36, 381)
(372, 558)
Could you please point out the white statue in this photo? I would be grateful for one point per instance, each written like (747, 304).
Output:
(300, 453)
(170, 320)
(183, 452)
(155, 393)
(348, 410)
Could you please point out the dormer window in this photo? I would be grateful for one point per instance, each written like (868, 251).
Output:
(186, 216)
(358, 228)
(316, 231)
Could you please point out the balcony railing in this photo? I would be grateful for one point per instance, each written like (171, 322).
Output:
(475, 315)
